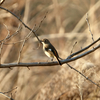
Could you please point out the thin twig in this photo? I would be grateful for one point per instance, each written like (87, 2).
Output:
(73, 48)
(41, 21)
(89, 26)
(6, 96)
(12, 43)
(8, 32)
(83, 75)
(16, 32)
(10, 90)
(37, 47)
(25, 39)
(83, 49)
(21, 51)
(10, 36)
(23, 22)
(3, 43)
(20, 21)
(1, 50)
(26, 27)
(84, 54)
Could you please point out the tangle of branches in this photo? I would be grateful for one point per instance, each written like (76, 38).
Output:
(72, 57)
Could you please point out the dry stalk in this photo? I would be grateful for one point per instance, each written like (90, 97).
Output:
(89, 27)
(3, 42)
(10, 98)
(34, 31)
(25, 39)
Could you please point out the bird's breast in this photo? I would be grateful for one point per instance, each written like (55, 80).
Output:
(49, 53)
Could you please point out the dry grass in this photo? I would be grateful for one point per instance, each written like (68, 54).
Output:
(64, 25)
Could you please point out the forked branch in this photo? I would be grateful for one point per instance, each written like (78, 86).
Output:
(34, 31)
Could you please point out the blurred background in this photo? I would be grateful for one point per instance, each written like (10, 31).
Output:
(65, 24)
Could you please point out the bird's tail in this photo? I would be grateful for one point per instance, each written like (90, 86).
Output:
(59, 61)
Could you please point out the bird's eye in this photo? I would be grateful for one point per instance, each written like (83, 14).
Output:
(45, 41)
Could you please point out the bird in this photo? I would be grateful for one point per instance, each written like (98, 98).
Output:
(50, 50)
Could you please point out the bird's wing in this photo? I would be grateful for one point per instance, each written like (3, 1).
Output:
(56, 55)
(55, 52)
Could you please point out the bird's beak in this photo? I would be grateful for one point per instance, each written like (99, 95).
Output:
(41, 41)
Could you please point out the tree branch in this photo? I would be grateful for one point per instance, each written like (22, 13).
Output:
(10, 98)
(34, 31)
(10, 36)
(89, 27)
(48, 63)
(83, 49)
(83, 75)
(25, 39)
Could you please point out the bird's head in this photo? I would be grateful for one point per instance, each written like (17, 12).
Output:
(45, 41)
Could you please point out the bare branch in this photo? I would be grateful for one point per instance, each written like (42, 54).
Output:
(1, 50)
(83, 49)
(48, 63)
(3, 93)
(16, 32)
(6, 96)
(41, 21)
(12, 43)
(10, 90)
(21, 51)
(10, 36)
(18, 41)
(3, 42)
(73, 48)
(23, 22)
(89, 27)
(26, 38)
(83, 75)
(84, 54)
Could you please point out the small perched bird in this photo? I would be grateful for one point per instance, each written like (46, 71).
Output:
(49, 50)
